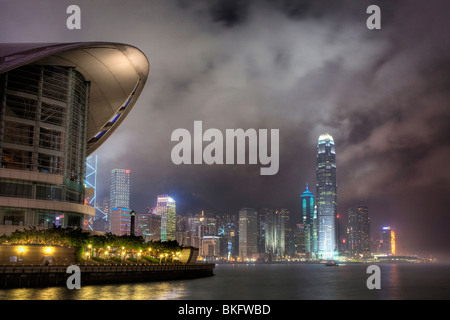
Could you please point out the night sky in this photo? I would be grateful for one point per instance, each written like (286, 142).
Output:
(303, 67)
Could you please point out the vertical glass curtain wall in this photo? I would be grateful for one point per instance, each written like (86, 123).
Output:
(43, 128)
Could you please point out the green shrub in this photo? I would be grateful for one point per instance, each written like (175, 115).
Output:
(150, 259)
(98, 259)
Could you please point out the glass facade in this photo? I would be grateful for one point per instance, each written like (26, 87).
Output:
(121, 221)
(43, 121)
(326, 198)
(167, 210)
(275, 233)
(309, 218)
(358, 231)
(248, 233)
(120, 189)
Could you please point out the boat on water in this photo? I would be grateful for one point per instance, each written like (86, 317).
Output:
(331, 264)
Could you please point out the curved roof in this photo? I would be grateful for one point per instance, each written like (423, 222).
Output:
(117, 74)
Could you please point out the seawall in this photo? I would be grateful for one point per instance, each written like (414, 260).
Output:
(29, 276)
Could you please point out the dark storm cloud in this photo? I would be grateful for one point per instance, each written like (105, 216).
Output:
(303, 67)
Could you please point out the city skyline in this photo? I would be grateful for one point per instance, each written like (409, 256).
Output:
(304, 68)
(265, 233)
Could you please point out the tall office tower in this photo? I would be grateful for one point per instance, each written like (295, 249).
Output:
(248, 233)
(121, 221)
(167, 210)
(276, 233)
(309, 218)
(120, 189)
(358, 231)
(149, 226)
(326, 197)
(299, 239)
(261, 225)
(387, 241)
(54, 112)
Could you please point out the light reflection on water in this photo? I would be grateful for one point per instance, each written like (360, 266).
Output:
(171, 290)
(267, 282)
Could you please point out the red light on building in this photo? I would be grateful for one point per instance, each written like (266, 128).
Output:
(127, 171)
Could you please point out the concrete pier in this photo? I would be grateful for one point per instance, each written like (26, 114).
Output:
(29, 276)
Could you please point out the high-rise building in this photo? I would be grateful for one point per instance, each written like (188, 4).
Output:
(121, 221)
(149, 226)
(54, 112)
(359, 232)
(276, 233)
(100, 221)
(167, 210)
(309, 219)
(300, 241)
(387, 241)
(120, 189)
(326, 198)
(248, 233)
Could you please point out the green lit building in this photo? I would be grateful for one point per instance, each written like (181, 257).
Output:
(309, 218)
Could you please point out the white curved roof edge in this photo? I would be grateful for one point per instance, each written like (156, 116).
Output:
(117, 74)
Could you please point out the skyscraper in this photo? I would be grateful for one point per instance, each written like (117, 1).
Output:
(248, 233)
(358, 231)
(309, 218)
(276, 233)
(149, 226)
(326, 197)
(120, 189)
(121, 221)
(167, 209)
(387, 241)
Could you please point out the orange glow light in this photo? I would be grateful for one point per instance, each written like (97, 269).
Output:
(392, 242)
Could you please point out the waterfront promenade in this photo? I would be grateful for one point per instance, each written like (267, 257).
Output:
(28, 276)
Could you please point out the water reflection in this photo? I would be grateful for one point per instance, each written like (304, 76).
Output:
(133, 291)
(277, 282)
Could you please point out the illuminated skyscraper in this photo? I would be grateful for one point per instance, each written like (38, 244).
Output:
(309, 218)
(120, 189)
(358, 231)
(248, 233)
(167, 209)
(326, 197)
(275, 232)
(387, 241)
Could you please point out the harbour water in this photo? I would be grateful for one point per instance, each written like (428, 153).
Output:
(269, 282)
